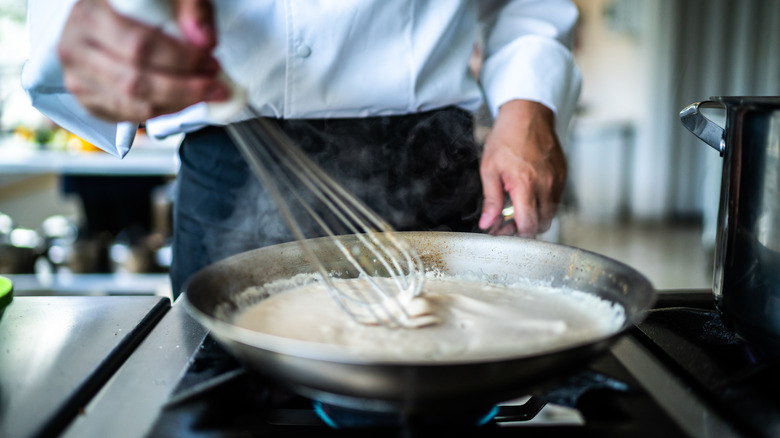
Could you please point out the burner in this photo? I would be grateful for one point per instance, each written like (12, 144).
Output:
(339, 417)
(341, 413)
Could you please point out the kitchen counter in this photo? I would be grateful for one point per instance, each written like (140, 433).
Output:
(67, 284)
(168, 379)
(147, 157)
(57, 352)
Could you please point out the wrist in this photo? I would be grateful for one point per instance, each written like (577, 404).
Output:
(528, 110)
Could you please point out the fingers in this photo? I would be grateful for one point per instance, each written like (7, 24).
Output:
(535, 201)
(523, 195)
(535, 192)
(523, 159)
(506, 228)
(534, 206)
(493, 202)
(137, 44)
(120, 69)
(196, 21)
(525, 200)
(116, 93)
(528, 218)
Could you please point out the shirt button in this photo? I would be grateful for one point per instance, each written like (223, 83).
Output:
(304, 51)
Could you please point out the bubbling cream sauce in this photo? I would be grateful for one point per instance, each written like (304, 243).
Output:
(476, 320)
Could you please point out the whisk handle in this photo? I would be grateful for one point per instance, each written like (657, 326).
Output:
(159, 13)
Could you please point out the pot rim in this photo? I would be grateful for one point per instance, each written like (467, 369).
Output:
(756, 101)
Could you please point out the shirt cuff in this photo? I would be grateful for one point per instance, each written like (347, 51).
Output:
(63, 109)
(537, 69)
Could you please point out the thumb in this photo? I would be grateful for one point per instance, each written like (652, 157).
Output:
(196, 21)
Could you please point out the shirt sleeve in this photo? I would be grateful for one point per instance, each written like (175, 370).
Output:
(43, 81)
(527, 49)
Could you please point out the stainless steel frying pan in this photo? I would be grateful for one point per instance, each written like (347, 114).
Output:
(328, 374)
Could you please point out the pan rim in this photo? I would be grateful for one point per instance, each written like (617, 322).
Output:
(339, 354)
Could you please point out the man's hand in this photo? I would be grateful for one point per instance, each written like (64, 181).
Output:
(524, 159)
(122, 70)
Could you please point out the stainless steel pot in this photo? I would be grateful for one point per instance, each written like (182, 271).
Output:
(330, 375)
(746, 280)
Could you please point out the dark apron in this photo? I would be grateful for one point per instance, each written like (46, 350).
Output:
(419, 172)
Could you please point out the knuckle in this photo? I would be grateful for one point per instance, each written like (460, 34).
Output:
(134, 84)
(65, 54)
(548, 181)
(194, 89)
(139, 46)
(74, 85)
(526, 180)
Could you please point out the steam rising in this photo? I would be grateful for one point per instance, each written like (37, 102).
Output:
(419, 172)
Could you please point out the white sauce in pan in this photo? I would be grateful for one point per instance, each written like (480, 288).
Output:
(476, 320)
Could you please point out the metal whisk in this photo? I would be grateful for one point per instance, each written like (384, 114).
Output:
(292, 178)
(308, 197)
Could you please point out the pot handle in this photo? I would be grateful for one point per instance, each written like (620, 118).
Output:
(702, 127)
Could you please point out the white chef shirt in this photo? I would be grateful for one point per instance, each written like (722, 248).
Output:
(347, 58)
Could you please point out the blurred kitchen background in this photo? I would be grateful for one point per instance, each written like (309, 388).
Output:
(641, 190)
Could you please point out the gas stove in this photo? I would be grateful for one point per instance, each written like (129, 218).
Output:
(681, 372)
(219, 398)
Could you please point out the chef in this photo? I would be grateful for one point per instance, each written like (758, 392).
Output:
(379, 92)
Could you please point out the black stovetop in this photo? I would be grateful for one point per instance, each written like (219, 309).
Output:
(740, 381)
(217, 397)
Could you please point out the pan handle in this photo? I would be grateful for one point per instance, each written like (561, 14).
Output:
(702, 127)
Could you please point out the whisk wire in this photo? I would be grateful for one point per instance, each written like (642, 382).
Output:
(247, 140)
(280, 163)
